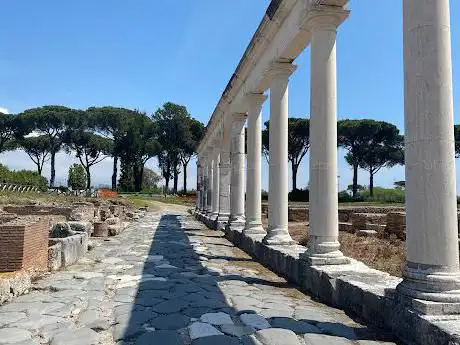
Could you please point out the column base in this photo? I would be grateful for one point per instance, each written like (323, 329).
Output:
(221, 221)
(424, 282)
(323, 251)
(278, 237)
(237, 222)
(333, 258)
(254, 229)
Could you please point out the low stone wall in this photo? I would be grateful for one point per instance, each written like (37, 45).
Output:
(72, 248)
(54, 256)
(359, 290)
(24, 245)
(16, 285)
(38, 210)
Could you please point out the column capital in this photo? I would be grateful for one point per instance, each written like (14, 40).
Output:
(323, 17)
(279, 69)
(255, 99)
(238, 120)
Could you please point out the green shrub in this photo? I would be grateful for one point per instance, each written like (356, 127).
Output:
(384, 195)
(299, 195)
(23, 177)
(77, 177)
(264, 195)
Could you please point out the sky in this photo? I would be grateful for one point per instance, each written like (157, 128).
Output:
(142, 53)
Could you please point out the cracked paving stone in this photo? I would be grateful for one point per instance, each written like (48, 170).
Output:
(159, 337)
(322, 339)
(237, 330)
(254, 320)
(200, 330)
(277, 336)
(298, 327)
(216, 318)
(82, 336)
(216, 339)
(171, 306)
(13, 335)
(170, 321)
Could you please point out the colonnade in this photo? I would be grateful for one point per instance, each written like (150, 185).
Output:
(432, 268)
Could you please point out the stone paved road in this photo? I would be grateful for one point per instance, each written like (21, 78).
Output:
(168, 280)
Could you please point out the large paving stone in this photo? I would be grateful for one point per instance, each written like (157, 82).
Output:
(11, 317)
(216, 318)
(160, 338)
(170, 321)
(277, 336)
(13, 335)
(82, 336)
(337, 329)
(171, 306)
(200, 330)
(216, 340)
(255, 321)
(237, 330)
(322, 339)
(298, 327)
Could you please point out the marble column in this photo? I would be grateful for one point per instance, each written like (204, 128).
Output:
(215, 182)
(237, 218)
(204, 199)
(253, 183)
(224, 176)
(198, 186)
(209, 185)
(432, 267)
(323, 247)
(278, 161)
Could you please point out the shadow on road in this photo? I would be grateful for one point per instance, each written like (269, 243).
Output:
(176, 290)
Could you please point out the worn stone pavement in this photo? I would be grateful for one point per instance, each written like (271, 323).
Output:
(168, 280)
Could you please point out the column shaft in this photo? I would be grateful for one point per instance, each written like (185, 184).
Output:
(215, 182)
(237, 177)
(209, 185)
(253, 183)
(323, 207)
(198, 186)
(204, 201)
(278, 146)
(432, 266)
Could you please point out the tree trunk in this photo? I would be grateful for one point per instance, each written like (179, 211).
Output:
(115, 172)
(355, 179)
(39, 168)
(294, 175)
(53, 170)
(176, 180)
(184, 166)
(88, 178)
(371, 184)
(167, 184)
(137, 178)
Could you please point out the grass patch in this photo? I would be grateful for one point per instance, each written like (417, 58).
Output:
(9, 197)
(143, 200)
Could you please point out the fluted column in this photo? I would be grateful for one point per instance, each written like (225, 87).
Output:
(278, 162)
(323, 247)
(432, 267)
(253, 183)
(237, 177)
(215, 181)
(209, 184)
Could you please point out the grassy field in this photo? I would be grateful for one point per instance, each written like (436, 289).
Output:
(8, 197)
(141, 200)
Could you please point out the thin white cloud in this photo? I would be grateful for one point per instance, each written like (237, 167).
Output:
(4, 110)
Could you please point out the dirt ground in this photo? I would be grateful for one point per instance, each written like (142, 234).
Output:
(386, 255)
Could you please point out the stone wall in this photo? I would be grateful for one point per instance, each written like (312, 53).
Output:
(38, 210)
(24, 246)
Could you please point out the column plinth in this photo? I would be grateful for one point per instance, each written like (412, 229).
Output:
(277, 232)
(323, 246)
(253, 178)
(432, 267)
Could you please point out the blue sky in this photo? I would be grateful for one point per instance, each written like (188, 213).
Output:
(142, 53)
